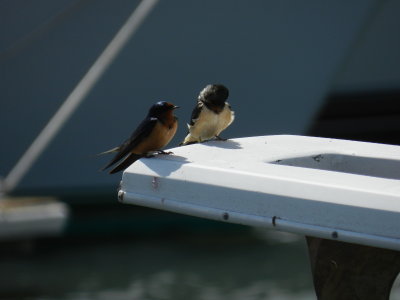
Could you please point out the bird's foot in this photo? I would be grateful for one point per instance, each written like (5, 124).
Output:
(188, 143)
(218, 138)
(149, 155)
(164, 152)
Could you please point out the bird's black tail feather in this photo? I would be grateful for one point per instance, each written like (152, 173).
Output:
(116, 149)
(130, 159)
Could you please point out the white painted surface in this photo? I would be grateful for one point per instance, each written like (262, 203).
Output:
(31, 217)
(344, 190)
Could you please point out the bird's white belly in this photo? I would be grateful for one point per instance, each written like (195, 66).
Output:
(206, 125)
(210, 124)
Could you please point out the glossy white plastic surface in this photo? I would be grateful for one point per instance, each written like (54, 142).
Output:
(336, 189)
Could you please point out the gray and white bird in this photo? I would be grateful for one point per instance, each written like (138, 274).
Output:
(211, 115)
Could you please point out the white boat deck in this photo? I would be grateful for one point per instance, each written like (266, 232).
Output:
(343, 190)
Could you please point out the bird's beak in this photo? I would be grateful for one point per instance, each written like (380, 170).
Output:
(175, 107)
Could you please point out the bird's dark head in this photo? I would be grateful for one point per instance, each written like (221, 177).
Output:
(214, 94)
(161, 108)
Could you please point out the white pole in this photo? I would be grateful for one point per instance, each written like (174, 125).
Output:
(78, 94)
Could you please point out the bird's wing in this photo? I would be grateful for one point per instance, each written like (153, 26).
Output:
(144, 129)
(232, 114)
(109, 151)
(196, 113)
(130, 159)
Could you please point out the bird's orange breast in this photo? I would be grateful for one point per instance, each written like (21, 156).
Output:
(160, 136)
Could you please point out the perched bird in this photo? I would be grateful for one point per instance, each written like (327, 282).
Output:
(210, 116)
(152, 134)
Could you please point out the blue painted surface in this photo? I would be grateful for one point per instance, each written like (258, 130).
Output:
(281, 58)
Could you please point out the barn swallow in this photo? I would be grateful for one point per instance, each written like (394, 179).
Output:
(152, 134)
(211, 115)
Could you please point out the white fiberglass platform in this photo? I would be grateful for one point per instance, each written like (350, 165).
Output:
(335, 189)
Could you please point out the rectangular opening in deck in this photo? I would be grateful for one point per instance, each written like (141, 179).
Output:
(368, 166)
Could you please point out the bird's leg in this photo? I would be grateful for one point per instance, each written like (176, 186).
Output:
(218, 138)
(163, 152)
(149, 155)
